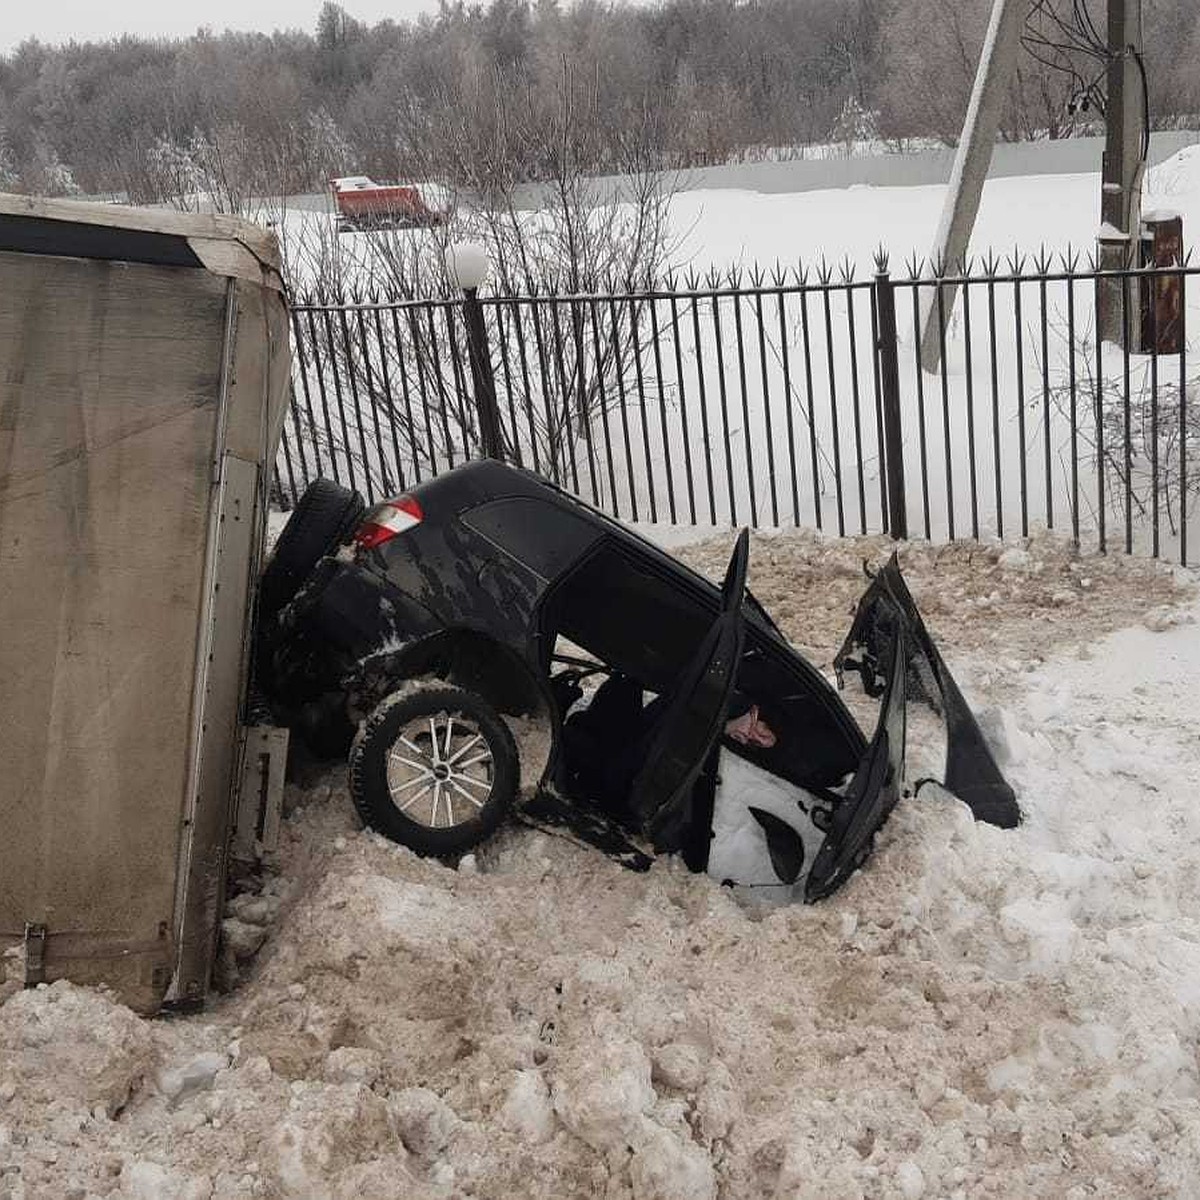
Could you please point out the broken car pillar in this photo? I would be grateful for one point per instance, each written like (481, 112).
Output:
(467, 264)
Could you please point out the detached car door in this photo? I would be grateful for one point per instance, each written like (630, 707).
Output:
(874, 790)
(693, 718)
(895, 656)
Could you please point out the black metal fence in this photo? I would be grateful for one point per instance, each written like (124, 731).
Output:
(788, 397)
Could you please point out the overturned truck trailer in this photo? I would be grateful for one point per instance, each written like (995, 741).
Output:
(143, 379)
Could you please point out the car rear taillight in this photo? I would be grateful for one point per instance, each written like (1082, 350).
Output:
(388, 519)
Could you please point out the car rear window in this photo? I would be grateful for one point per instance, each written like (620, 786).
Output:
(542, 536)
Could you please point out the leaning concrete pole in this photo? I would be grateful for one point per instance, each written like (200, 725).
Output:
(1121, 175)
(997, 62)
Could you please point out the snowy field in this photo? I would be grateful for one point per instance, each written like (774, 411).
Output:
(977, 1013)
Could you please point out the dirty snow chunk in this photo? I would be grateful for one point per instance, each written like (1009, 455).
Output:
(1015, 559)
(910, 1180)
(679, 1065)
(527, 1110)
(144, 1180)
(243, 938)
(601, 1090)
(68, 1044)
(352, 1064)
(1163, 617)
(425, 1122)
(330, 1129)
(177, 1083)
(666, 1168)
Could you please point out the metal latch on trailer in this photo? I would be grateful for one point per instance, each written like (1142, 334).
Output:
(260, 793)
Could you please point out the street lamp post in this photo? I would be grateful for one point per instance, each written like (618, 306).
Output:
(467, 266)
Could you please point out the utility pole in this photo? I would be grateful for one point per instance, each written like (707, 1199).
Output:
(1124, 165)
(997, 65)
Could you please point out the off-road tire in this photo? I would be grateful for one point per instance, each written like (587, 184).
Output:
(379, 737)
(324, 516)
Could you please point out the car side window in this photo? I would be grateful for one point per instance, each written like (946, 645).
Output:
(638, 620)
(542, 536)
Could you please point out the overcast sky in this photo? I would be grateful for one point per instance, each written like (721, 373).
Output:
(92, 20)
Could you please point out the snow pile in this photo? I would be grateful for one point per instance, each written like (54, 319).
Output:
(977, 1014)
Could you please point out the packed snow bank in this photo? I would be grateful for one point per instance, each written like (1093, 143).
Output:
(978, 1013)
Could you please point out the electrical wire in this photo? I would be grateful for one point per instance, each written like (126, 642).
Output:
(1079, 36)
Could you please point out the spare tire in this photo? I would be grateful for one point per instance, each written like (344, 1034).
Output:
(324, 517)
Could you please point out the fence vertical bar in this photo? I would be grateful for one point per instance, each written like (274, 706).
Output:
(1183, 429)
(762, 357)
(298, 339)
(683, 421)
(1046, 456)
(608, 455)
(921, 432)
(423, 387)
(467, 406)
(564, 392)
(327, 323)
(636, 336)
(856, 409)
(505, 366)
(1071, 385)
(436, 363)
(351, 376)
(1022, 478)
(1154, 430)
(746, 439)
(662, 408)
(724, 405)
(970, 379)
(393, 415)
(583, 413)
(888, 362)
(708, 469)
(372, 399)
(833, 411)
(787, 406)
(294, 405)
(812, 406)
(287, 452)
(941, 308)
(1126, 334)
(519, 326)
(616, 334)
(995, 376)
(406, 392)
(1098, 414)
(552, 429)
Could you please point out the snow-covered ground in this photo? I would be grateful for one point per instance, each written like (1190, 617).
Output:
(726, 227)
(977, 1013)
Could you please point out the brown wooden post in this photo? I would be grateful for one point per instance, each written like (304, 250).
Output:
(1162, 295)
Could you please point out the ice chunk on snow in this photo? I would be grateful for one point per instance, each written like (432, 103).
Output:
(177, 1083)
(527, 1109)
(680, 1065)
(424, 1120)
(667, 1168)
(910, 1180)
(601, 1090)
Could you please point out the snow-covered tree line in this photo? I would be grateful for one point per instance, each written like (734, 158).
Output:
(671, 83)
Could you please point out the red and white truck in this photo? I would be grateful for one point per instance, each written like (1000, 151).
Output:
(360, 204)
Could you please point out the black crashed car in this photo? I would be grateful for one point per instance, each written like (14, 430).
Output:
(418, 636)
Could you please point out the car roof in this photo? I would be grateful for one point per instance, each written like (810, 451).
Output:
(489, 479)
